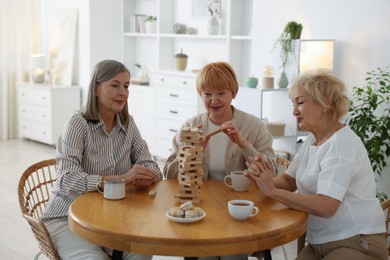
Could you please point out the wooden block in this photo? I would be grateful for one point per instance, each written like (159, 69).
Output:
(152, 194)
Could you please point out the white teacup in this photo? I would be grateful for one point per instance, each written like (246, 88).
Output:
(237, 181)
(114, 189)
(242, 209)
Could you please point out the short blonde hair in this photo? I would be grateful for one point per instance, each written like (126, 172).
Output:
(326, 89)
(217, 76)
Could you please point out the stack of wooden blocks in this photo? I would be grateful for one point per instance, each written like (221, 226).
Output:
(190, 158)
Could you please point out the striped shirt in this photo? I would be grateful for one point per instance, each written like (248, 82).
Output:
(86, 151)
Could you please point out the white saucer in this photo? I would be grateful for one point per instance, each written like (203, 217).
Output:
(186, 220)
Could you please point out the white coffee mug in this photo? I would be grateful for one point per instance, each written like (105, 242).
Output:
(237, 181)
(114, 189)
(242, 209)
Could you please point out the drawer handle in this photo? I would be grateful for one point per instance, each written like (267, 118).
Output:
(23, 111)
(174, 95)
(43, 98)
(162, 80)
(23, 94)
(184, 82)
(173, 112)
(44, 115)
(172, 130)
(44, 133)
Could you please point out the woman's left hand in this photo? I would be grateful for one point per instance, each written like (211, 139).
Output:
(260, 172)
(230, 129)
(140, 176)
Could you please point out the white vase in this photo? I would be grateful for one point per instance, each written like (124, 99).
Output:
(150, 26)
(213, 26)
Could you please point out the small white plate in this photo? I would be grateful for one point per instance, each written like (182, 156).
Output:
(186, 220)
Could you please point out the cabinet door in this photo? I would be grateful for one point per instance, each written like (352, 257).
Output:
(141, 107)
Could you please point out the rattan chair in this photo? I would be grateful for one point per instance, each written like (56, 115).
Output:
(34, 191)
(386, 206)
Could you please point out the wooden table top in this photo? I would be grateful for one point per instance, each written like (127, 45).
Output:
(138, 223)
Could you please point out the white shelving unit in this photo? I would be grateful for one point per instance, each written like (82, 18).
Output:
(156, 51)
(276, 106)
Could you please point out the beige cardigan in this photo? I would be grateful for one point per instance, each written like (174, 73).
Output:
(252, 129)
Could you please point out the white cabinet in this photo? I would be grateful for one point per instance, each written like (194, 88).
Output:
(176, 100)
(141, 107)
(156, 51)
(43, 110)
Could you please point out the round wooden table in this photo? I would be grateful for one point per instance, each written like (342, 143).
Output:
(138, 223)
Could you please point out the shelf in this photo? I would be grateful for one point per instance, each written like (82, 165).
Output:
(133, 34)
(274, 90)
(241, 37)
(193, 36)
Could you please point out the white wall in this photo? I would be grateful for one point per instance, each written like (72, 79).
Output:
(98, 36)
(359, 27)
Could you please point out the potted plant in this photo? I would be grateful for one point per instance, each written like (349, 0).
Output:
(369, 118)
(291, 31)
(151, 24)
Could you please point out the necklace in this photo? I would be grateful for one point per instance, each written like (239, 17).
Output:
(327, 136)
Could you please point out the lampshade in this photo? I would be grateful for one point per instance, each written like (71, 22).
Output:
(316, 54)
(37, 60)
(38, 66)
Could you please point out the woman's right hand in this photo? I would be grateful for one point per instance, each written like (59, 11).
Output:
(260, 172)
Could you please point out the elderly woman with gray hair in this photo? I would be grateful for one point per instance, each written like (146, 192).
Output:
(99, 143)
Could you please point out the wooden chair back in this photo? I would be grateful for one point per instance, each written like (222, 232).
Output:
(281, 165)
(34, 191)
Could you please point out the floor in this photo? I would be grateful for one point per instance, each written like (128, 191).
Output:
(16, 239)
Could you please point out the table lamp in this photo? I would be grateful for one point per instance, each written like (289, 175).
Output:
(316, 54)
(268, 79)
(38, 65)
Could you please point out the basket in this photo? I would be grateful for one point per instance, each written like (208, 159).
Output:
(276, 128)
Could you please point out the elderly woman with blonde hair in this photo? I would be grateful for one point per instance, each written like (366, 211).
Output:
(331, 173)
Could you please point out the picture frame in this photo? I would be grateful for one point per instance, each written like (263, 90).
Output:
(199, 9)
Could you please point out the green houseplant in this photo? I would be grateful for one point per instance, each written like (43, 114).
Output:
(291, 31)
(369, 117)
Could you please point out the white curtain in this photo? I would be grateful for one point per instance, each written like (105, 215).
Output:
(20, 35)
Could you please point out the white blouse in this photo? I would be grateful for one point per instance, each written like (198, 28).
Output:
(339, 168)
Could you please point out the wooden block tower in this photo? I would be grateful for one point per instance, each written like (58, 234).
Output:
(190, 158)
